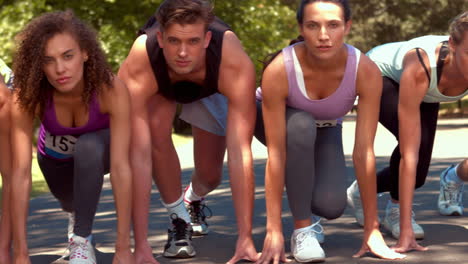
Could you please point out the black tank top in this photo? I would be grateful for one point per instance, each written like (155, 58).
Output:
(185, 91)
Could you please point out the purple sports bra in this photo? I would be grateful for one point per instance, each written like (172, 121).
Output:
(331, 108)
(57, 141)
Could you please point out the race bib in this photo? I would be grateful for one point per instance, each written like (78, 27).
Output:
(60, 147)
(325, 123)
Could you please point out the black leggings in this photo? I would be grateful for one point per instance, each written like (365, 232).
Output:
(77, 184)
(388, 178)
(315, 173)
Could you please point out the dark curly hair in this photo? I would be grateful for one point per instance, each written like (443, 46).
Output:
(31, 84)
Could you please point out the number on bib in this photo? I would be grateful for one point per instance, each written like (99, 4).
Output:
(60, 147)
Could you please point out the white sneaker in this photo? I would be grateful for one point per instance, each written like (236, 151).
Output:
(354, 201)
(305, 247)
(81, 251)
(318, 229)
(392, 223)
(450, 196)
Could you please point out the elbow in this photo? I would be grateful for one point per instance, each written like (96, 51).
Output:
(21, 180)
(121, 174)
(363, 155)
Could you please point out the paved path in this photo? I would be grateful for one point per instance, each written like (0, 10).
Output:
(446, 237)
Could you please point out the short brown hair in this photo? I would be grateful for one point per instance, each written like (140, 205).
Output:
(184, 12)
(458, 27)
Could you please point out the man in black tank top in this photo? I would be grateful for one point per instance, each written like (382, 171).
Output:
(186, 55)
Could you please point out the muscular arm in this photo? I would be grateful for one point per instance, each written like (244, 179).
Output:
(369, 89)
(413, 86)
(237, 83)
(136, 74)
(117, 103)
(21, 140)
(274, 93)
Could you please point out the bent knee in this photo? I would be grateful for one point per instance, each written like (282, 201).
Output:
(301, 130)
(89, 146)
(331, 208)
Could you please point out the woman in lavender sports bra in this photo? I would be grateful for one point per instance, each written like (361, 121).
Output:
(62, 78)
(5, 162)
(306, 90)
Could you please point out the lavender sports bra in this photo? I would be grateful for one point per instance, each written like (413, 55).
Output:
(330, 109)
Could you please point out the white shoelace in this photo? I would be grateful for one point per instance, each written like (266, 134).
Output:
(303, 239)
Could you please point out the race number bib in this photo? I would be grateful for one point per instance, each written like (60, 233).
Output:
(326, 123)
(60, 147)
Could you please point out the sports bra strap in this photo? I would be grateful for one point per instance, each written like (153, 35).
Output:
(444, 50)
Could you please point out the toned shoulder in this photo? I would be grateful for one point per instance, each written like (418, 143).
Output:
(136, 71)
(233, 53)
(115, 93)
(137, 59)
(274, 78)
(276, 69)
(367, 68)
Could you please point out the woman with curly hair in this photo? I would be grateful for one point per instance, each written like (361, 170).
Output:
(5, 164)
(61, 77)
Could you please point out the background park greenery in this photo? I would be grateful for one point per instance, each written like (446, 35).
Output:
(263, 26)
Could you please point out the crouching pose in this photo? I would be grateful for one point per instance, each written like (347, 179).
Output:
(418, 75)
(306, 90)
(63, 80)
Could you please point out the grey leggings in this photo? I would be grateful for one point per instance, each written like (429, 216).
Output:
(77, 184)
(315, 165)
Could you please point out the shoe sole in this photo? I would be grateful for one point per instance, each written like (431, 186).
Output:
(181, 253)
(454, 213)
(311, 260)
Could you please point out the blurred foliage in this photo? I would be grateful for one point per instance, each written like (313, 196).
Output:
(263, 26)
(381, 21)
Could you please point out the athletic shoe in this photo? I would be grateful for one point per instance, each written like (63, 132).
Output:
(450, 196)
(81, 251)
(318, 229)
(198, 217)
(392, 223)
(71, 224)
(305, 247)
(354, 201)
(179, 239)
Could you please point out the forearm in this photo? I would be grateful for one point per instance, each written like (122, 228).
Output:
(122, 188)
(364, 164)
(241, 173)
(19, 208)
(140, 161)
(407, 180)
(274, 186)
